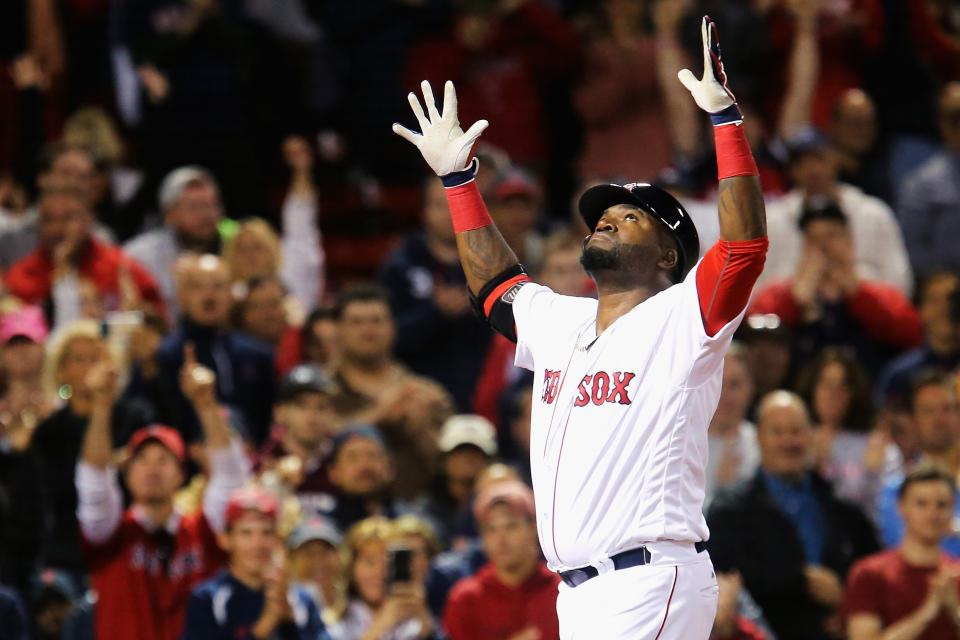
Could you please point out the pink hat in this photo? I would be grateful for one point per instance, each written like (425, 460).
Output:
(167, 436)
(27, 322)
(513, 493)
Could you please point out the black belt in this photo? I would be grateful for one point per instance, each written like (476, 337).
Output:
(623, 560)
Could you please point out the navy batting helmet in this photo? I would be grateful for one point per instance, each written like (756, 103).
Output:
(655, 201)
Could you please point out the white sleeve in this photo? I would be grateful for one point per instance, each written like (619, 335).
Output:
(99, 502)
(894, 262)
(302, 267)
(229, 470)
(530, 306)
(65, 294)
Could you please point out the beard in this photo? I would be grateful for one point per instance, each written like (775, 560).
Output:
(617, 258)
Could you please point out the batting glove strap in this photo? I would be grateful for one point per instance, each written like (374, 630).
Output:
(730, 115)
(458, 178)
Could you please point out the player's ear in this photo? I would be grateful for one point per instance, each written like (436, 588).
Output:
(669, 257)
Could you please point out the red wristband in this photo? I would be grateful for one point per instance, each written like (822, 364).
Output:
(467, 208)
(733, 152)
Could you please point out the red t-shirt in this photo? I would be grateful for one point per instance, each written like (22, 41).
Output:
(483, 608)
(30, 279)
(136, 599)
(888, 587)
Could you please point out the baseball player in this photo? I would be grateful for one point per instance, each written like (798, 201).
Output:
(626, 384)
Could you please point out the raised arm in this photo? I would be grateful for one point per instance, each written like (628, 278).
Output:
(730, 268)
(488, 261)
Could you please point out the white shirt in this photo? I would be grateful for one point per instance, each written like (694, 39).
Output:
(618, 433)
(877, 242)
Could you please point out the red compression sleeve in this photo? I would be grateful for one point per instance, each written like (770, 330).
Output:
(467, 208)
(725, 278)
(733, 152)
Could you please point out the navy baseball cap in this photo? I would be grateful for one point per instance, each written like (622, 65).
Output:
(305, 377)
(805, 140)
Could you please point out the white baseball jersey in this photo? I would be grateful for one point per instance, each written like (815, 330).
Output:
(618, 434)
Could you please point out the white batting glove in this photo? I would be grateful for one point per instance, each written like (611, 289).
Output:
(443, 144)
(711, 92)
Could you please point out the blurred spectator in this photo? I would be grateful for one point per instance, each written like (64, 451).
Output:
(362, 476)
(144, 385)
(831, 302)
(619, 96)
(314, 343)
(560, 270)
(929, 197)
(936, 424)
(60, 166)
(437, 333)
(513, 198)
(518, 406)
(303, 428)
(193, 62)
(315, 563)
(911, 591)
(853, 134)
(374, 388)
(729, 624)
(939, 306)
(244, 366)
(261, 312)
(515, 595)
(878, 248)
(190, 203)
(252, 597)
(467, 444)
(847, 34)
(14, 624)
(67, 252)
(732, 438)
(144, 561)
(768, 353)
(25, 399)
(847, 451)
(377, 609)
(786, 533)
(52, 597)
(500, 54)
(74, 355)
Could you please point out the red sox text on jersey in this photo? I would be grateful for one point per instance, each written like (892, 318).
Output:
(596, 388)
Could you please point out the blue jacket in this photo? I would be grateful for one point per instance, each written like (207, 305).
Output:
(223, 608)
(245, 377)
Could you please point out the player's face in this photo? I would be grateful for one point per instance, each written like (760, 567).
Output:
(366, 330)
(832, 395)
(784, 436)
(936, 418)
(461, 468)
(369, 572)
(626, 238)
(153, 474)
(927, 510)
(509, 538)
(360, 468)
(308, 418)
(252, 543)
(317, 561)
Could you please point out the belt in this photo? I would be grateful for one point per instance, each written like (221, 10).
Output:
(623, 560)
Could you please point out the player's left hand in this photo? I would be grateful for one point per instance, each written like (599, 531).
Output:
(710, 92)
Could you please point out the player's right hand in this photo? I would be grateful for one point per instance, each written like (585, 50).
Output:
(441, 141)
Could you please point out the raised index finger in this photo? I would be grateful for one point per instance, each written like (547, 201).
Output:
(189, 354)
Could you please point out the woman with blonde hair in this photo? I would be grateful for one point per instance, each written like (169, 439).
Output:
(77, 355)
(377, 610)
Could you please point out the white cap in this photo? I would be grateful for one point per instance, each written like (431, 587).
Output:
(179, 179)
(467, 428)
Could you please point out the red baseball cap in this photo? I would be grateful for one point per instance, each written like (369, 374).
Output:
(251, 498)
(167, 436)
(513, 493)
(27, 322)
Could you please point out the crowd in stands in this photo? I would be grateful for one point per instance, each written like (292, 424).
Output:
(243, 391)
